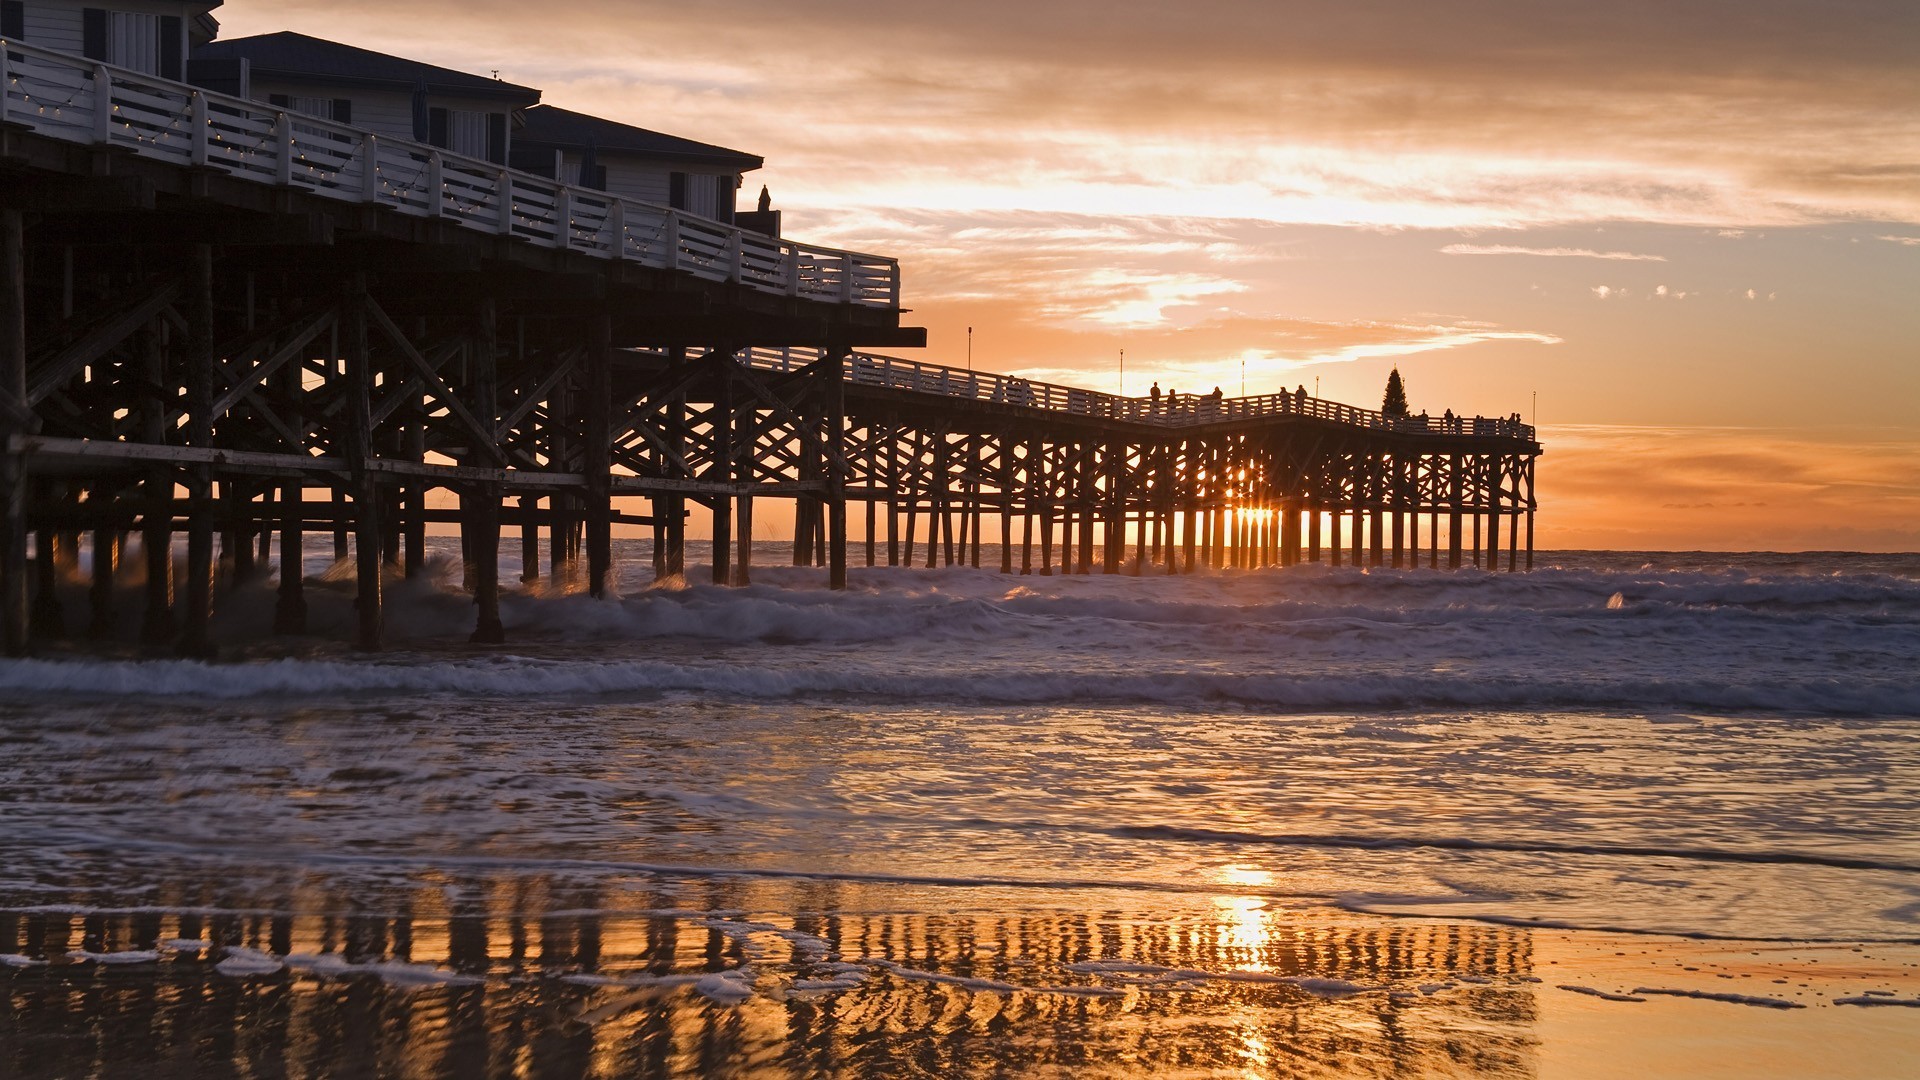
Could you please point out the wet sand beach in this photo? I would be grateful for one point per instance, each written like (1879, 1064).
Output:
(1617, 819)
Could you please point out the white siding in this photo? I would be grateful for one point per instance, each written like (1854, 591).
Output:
(382, 112)
(55, 26)
(645, 183)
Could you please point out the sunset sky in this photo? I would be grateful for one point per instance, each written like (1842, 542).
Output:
(1692, 228)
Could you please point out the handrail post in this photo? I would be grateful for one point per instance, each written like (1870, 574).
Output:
(6, 81)
(846, 278)
(673, 239)
(369, 168)
(734, 255)
(102, 104)
(283, 149)
(436, 194)
(563, 217)
(617, 222)
(893, 284)
(791, 253)
(197, 113)
(505, 185)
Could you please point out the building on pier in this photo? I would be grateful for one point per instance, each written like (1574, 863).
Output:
(152, 37)
(620, 159)
(470, 115)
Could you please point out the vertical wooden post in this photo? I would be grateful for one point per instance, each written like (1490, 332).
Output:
(833, 370)
(893, 497)
(1089, 510)
(1335, 550)
(1290, 532)
(599, 455)
(366, 495)
(1530, 508)
(529, 538)
(480, 521)
(1005, 441)
(873, 504)
(15, 419)
(1456, 490)
(1190, 491)
(1377, 510)
(415, 527)
(1492, 466)
(106, 566)
(156, 518)
(199, 403)
(1313, 530)
(1398, 519)
(720, 364)
(743, 539)
(1026, 507)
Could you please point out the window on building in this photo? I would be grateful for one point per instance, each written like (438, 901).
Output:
(724, 188)
(338, 109)
(677, 190)
(465, 131)
(151, 44)
(13, 20)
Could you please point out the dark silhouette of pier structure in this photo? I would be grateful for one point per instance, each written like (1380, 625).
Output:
(251, 327)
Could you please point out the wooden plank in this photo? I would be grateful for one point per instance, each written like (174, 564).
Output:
(483, 434)
(92, 345)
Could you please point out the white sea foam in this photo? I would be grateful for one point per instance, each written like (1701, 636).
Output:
(242, 962)
(1734, 999)
(1309, 638)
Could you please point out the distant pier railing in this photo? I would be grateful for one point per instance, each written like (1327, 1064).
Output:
(1173, 410)
(79, 100)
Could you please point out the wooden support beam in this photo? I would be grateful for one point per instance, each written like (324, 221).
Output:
(198, 614)
(15, 418)
(720, 363)
(370, 622)
(834, 385)
(54, 372)
(480, 502)
(598, 401)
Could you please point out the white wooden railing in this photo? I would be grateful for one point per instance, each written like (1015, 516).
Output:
(1179, 410)
(78, 100)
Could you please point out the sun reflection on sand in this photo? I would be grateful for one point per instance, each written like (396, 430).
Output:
(1244, 919)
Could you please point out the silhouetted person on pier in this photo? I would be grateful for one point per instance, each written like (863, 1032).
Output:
(1300, 398)
(1154, 396)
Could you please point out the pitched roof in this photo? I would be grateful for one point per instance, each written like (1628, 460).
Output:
(297, 55)
(548, 126)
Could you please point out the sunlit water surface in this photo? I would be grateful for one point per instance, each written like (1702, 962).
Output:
(950, 822)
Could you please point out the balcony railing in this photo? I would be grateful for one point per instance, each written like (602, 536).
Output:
(79, 100)
(1177, 410)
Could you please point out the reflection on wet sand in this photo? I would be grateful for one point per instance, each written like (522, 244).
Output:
(518, 977)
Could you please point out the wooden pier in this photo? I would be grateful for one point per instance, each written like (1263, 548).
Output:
(249, 326)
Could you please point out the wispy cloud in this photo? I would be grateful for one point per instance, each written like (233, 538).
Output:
(1909, 241)
(1553, 252)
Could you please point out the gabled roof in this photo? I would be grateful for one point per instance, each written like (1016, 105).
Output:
(563, 129)
(290, 55)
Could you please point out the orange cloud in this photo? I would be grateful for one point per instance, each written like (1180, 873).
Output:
(1729, 489)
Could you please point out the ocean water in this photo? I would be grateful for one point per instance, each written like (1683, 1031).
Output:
(801, 831)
